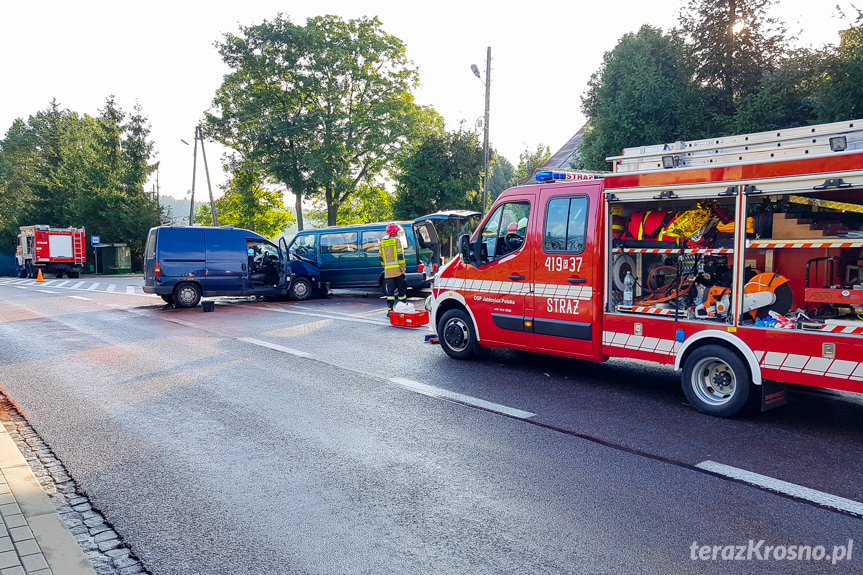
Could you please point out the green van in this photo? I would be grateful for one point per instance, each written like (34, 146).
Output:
(347, 256)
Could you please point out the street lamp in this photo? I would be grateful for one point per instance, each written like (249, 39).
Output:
(485, 151)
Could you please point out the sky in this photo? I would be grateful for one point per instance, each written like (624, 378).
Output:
(161, 55)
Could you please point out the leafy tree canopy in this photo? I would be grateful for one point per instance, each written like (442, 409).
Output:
(247, 203)
(841, 86)
(443, 172)
(501, 176)
(323, 107)
(529, 161)
(642, 94)
(733, 43)
(63, 169)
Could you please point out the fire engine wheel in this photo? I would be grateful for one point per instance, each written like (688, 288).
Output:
(456, 334)
(301, 289)
(187, 295)
(716, 381)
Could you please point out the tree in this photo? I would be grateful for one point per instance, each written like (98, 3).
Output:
(501, 176)
(841, 88)
(247, 203)
(642, 94)
(367, 204)
(63, 169)
(529, 161)
(443, 172)
(786, 96)
(734, 43)
(323, 108)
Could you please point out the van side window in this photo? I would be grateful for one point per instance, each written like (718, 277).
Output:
(337, 243)
(150, 249)
(372, 240)
(504, 231)
(303, 245)
(565, 225)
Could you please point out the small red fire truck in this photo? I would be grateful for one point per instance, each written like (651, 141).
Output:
(738, 260)
(53, 250)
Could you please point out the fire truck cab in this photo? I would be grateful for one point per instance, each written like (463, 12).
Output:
(738, 260)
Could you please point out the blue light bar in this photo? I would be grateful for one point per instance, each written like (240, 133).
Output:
(552, 175)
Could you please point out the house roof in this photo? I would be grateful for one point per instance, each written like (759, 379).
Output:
(564, 157)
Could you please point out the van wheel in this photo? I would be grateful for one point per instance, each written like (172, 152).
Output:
(187, 295)
(301, 289)
(168, 299)
(716, 381)
(456, 334)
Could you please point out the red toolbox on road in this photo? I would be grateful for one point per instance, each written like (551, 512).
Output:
(414, 319)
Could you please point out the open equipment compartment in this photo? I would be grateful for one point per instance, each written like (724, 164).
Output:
(679, 246)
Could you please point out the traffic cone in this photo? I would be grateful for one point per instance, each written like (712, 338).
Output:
(39, 278)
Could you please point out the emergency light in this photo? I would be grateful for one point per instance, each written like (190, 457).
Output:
(556, 175)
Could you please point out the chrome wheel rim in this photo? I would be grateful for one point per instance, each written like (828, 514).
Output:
(456, 334)
(713, 381)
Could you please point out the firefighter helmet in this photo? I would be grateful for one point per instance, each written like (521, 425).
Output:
(392, 230)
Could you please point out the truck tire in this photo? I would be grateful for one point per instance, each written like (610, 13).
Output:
(456, 334)
(187, 294)
(301, 289)
(168, 299)
(716, 381)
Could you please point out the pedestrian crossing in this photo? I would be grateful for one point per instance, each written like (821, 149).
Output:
(73, 285)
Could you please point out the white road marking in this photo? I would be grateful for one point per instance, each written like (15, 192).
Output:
(80, 297)
(181, 322)
(61, 284)
(111, 288)
(440, 393)
(327, 315)
(46, 291)
(275, 347)
(77, 285)
(130, 289)
(779, 486)
(94, 286)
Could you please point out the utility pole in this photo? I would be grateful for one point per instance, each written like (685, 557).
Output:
(194, 171)
(207, 171)
(199, 136)
(485, 149)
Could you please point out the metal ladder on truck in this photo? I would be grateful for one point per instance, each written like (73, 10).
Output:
(759, 146)
(78, 249)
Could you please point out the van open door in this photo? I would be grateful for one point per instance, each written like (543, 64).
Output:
(451, 222)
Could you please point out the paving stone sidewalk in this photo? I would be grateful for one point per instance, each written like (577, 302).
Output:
(34, 540)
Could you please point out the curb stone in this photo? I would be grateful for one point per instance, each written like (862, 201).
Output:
(58, 507)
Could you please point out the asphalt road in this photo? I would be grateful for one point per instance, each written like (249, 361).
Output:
(312, 437)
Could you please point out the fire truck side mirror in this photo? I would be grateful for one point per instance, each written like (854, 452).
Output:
(468, 255)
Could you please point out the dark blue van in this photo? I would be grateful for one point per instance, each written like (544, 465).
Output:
(183, 264)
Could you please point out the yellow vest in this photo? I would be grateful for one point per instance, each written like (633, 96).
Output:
(392, 257)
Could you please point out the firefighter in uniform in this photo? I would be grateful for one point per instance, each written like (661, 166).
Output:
(393, 259)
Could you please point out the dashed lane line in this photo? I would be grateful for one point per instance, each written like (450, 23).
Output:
(779, 486)
(440, 393)
(80, 297)
(273, 346)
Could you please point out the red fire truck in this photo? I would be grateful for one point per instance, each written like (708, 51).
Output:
(53, 250)
(737, 260)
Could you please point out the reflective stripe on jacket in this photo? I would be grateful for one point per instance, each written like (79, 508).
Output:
(392, 257)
